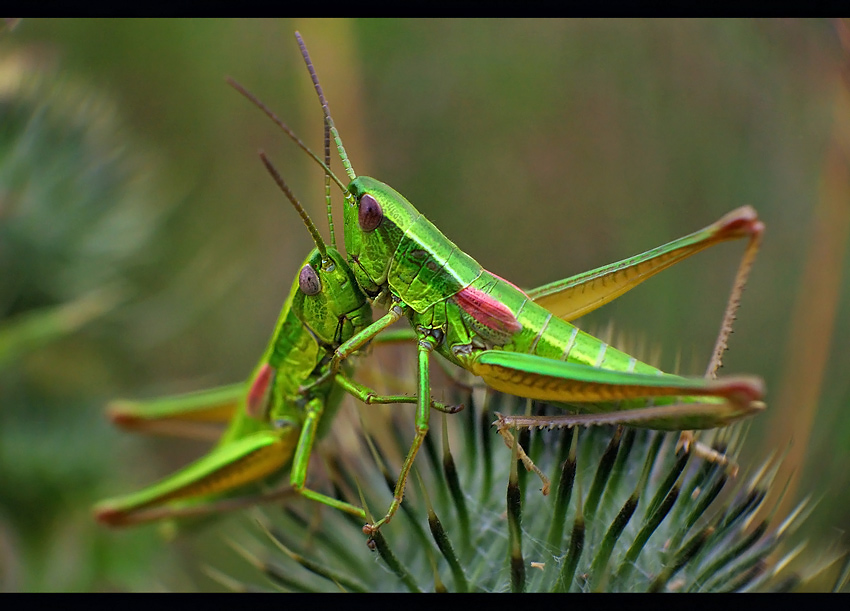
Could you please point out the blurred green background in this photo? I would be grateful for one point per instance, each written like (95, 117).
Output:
(543, 148)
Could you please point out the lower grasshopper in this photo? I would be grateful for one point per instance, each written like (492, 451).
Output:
(522, 342)
(271, 423)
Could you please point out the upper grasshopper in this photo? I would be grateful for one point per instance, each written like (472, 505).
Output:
(522, 342)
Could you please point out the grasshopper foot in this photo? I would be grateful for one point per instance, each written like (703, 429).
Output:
(370, 530)
(447, 409)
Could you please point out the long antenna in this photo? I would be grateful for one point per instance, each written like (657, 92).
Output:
(328, 201)
(317, 237)
(342, 154)
(328, 184)
(256, 102)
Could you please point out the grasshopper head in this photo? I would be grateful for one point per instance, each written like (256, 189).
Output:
(326, 298)
(376, 218)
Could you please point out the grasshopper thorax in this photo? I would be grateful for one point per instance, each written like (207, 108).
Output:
(376, 219)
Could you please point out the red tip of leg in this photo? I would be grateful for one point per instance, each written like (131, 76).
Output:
(119, 416)
(744, 390)
(109, 516)
(741, 222)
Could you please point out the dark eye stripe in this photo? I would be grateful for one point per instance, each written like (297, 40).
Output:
(370, 214)
(309, 281)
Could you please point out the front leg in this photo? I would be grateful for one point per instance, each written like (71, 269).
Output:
(303, 450)
(370, 397)
(427, 344)
(357, 341)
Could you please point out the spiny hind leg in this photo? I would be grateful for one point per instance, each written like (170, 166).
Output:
(575, 296)
(574, 383)
(635, 417)
(504, 430)
(687, 439)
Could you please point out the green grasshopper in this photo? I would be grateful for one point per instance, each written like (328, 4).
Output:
(271, 423)
(522, 342)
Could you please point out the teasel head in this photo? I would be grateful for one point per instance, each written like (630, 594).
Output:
(625, 512)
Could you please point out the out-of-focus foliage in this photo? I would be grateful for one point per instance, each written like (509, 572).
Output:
(542, 148)
(76, 225)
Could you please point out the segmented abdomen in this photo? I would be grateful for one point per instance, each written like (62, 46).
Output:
(544, 334)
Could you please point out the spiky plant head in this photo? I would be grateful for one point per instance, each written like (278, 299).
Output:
(625, 512)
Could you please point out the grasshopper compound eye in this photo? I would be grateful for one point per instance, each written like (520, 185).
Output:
(309, 281)
(370, 215)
